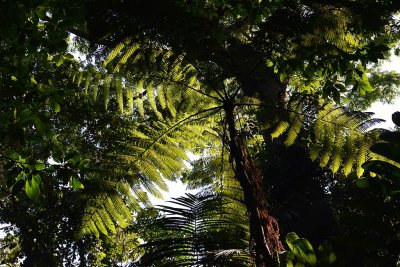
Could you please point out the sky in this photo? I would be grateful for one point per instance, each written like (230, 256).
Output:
(384, 111)
(176, 189)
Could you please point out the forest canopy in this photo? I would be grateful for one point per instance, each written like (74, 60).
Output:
(102, 102)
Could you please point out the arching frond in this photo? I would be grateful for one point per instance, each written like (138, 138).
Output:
(200, 231)
(106, 205)
(163, 79)
(332, 29)
(339, 138)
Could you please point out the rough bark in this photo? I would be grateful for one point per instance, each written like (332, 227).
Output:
(263, 227)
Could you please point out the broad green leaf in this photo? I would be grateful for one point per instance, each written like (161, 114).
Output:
(40, 12)
(69, 56)
(301, 248)
(37, 179)
(363, 183)
(290, 238)
(21, 176)
(56, 107)
(39, 165)
(42, 127)
(74, 159)
(32, 187)
(363, 86)
(14, 155)
(33, 80)
(280, 129)
(76, 184)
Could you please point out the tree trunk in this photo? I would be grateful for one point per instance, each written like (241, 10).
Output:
(264, 228)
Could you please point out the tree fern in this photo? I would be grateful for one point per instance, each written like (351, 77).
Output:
(160, 69)
(139, 97)
(107, 84)
(141, 154)
(339, 138)
(119, 94)
(105, 205)
(332, 29)
(199, 231)
(116, 51)
(152, 100)
(132, 49)
(129, 99)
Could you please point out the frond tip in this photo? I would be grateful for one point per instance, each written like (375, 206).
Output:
(106, 206)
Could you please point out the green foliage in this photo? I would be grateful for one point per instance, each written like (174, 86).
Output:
(10, 250)
(121, 249)
(302, 253)
(369, 219)
(104, 208)
(386, 88)
(339, 138)
(198, 229)
(161, 73)
(387, 183)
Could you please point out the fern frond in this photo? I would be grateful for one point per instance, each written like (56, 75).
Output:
(339, 138)
(105, 217)
(129, 98)
(362, 148)
(132, 49)
(350, 156)
(161, 97)
(104, 207)
(169, 100)
(120, 97)
(99, 224)
(198, 227)
(107, 84)
(87, 82)
(139, 100)
(116, 51)
(80, 76)
(293, 130)
(280, 129)
(337, 154)
(152, 100)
